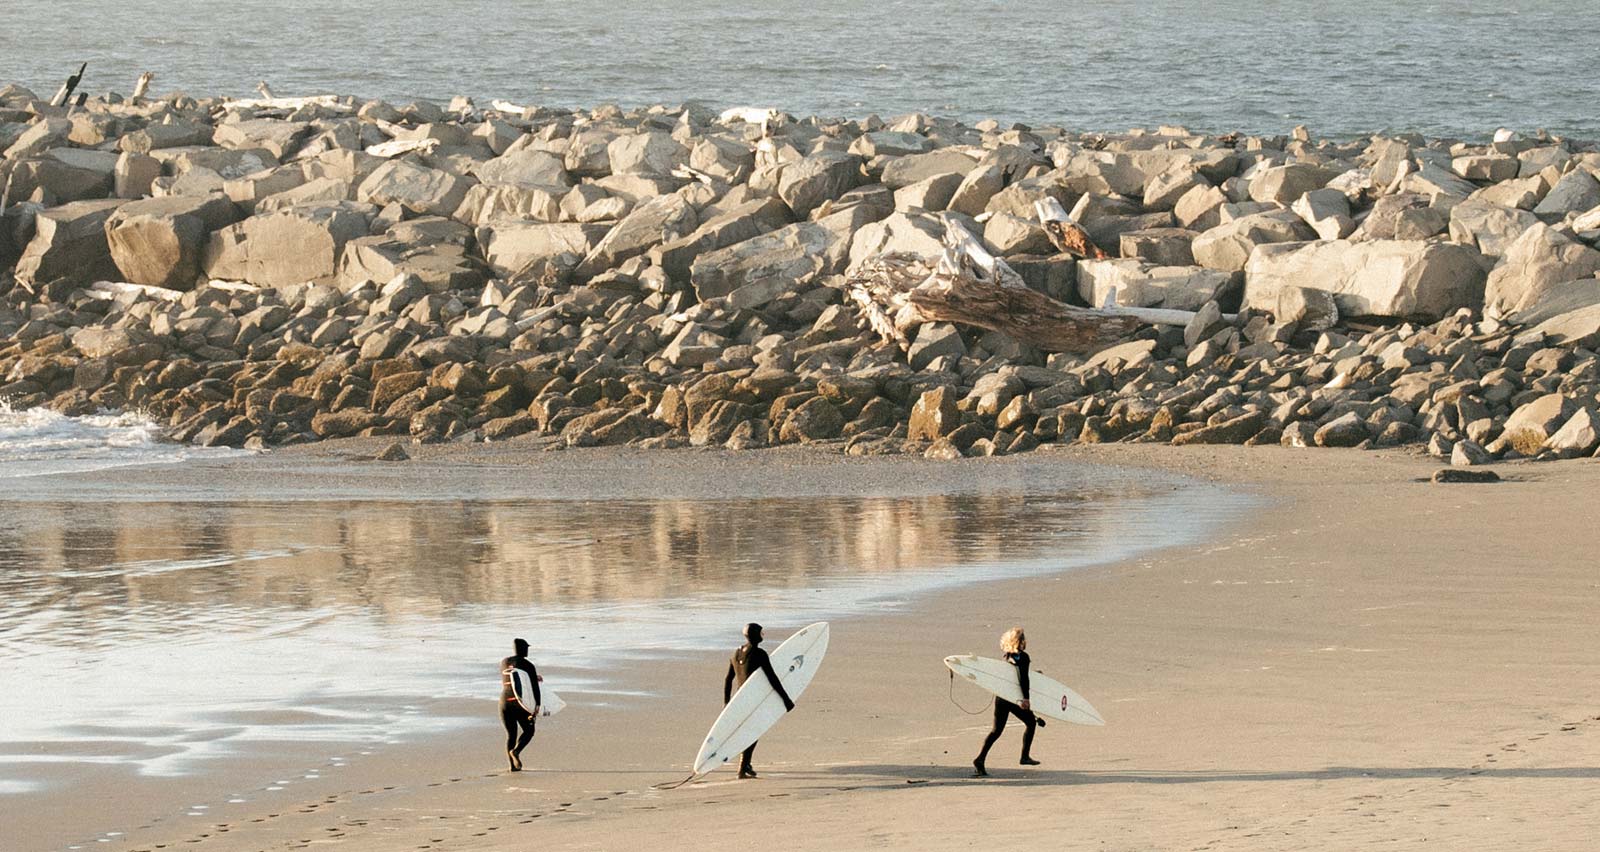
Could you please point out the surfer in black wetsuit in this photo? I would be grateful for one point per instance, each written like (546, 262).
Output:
(1014, 644)
(750, 658)
(518, 721)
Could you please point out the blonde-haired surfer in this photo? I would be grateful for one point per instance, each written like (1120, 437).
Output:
(1014, 645)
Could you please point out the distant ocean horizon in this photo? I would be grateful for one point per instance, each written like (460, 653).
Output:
(1447, 68)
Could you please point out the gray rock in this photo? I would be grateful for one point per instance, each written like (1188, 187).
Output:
(1228, 246)
(1327, 211)
(69, 242)
(743, 222)
(1448, 475)
(417, 188)
(510, 247)
(1534, 267)
(652, 153)
(285, 247)
(159, 241)
(1489, 228)
(1347, 430)
(666, 217)
(1532, 424)
(905, 171)
(757, 270)
(1144, 285)
(935, 340)
(1576, 192)
(1468, 453)
(819, 178)
(1388, 278)
(1160, 246)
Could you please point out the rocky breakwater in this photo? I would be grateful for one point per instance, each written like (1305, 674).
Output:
(270, 272)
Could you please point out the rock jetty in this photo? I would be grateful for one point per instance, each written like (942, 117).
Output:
(276, 271)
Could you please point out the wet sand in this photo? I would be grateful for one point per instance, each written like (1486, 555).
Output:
(1365, 659)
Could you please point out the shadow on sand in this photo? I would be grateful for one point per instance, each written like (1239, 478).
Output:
(1012, 775)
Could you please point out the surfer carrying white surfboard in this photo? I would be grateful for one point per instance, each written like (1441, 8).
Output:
(749, 659)
(1014, 646)
(517, 717)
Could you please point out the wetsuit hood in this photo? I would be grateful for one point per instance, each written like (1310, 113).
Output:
(521, 646)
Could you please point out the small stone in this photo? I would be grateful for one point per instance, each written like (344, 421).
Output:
(392, 453)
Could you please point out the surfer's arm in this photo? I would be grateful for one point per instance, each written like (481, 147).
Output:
(727, 685)
(1022, 678)
(777, 685)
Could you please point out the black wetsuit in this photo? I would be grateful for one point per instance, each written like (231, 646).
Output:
(518, 721)
(1004, 709)
(746, 660)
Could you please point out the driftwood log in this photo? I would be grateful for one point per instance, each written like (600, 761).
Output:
(897, 291)
(969, 286)
(69, 87)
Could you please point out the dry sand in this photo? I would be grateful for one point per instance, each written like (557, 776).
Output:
(1367, 660)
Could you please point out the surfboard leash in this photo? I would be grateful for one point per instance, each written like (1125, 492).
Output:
(958, 704)
(673, 785)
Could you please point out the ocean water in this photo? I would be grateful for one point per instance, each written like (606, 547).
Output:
(1445, 67)
(40, 442)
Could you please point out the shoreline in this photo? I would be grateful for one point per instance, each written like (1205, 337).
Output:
(1267, 689)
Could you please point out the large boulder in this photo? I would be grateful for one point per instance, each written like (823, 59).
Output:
(527, 167)
(664, 217)
(745, 221)
(655, 154)
(510, 247)
(285, 247)
(65, 174)
(1145, 285)
(69, 242)
(432, 251)
(159, 241)
(1534, 422)
(915, 168)
(1490, 228)
(490, 202)
(1385, 278)
(821, 177)
(913, 233)
(279, 137)
(1575, 192)
(758, 270)
(1535, 267)
(1228, 246)
(1285, 184)
(430, 192)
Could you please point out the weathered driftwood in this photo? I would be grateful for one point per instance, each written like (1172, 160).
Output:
(1065, 234)
(289, 104)
(143, 86)
(970, 286)
(396, 147)
(68, 87)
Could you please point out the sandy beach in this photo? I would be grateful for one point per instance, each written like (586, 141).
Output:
(1365, 658)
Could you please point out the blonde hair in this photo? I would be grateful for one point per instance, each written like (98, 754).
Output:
(1013, 641)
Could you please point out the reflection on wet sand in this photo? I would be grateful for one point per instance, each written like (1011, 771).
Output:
(82, 563)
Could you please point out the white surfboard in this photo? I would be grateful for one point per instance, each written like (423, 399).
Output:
(1046, 695)
(756, 707)
(522, 685)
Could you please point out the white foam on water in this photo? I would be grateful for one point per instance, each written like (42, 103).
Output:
(41, 442)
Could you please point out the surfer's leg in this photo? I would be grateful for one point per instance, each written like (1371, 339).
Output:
(526, 722)
(745, 769)
(1002, 709)
(1032, 723)
(508, 717)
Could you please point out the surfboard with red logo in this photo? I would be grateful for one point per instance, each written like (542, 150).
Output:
(1048, 696)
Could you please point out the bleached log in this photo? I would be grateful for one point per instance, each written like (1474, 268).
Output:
(143, 86)
(396, 147)
(289, 104)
